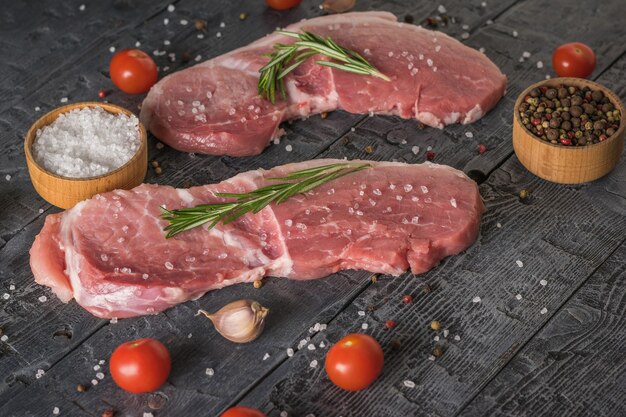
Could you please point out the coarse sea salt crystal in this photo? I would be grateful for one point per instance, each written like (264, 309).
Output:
(519, 263)
(4, 338)
(290, 352)
(63, 149)
(209, 372)
(8, 177)
(313, 364)
(539, 64)
(171, 8)
(409, 384)
(543, 282)
(476, 299)
(56, 411)
(544, 310)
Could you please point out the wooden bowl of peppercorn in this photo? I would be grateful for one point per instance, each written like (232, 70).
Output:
(568, 130)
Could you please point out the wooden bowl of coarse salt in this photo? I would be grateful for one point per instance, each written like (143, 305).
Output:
(77, 151)
(580, 152)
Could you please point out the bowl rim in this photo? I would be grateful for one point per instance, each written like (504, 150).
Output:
(39, 124)
(615, 100)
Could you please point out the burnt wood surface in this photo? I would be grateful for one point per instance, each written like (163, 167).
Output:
(504, 355)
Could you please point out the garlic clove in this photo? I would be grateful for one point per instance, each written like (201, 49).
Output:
(337, 6)
(241, 321)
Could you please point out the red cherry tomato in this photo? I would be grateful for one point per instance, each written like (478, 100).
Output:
(142, 365)
(282, 4)
(573, 60)
(133, 71)
(354, 362)
(241, 411)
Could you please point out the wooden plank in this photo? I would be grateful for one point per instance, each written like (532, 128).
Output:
(553, 240)
(576, 364)
(314, 135)
(39, 49)
(311, 137)
(558, 244)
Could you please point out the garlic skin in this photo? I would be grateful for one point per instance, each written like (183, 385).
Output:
(241, 321)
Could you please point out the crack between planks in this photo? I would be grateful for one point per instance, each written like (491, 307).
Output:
(539, 329)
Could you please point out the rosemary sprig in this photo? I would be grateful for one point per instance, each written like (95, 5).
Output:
(287, 57)
(297, 182)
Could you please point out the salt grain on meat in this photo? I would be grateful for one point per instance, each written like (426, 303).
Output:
(135, 279)
(421, 93)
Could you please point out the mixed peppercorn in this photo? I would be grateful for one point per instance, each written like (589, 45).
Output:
(569, 115)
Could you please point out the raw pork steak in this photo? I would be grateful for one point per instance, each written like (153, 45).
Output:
(213, 107)
(111, 255)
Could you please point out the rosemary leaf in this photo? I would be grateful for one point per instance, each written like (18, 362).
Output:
(286, 58)
(294, 183)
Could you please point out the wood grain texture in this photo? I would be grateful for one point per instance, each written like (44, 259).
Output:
(576, 365)
(558, 244)
(565, 233)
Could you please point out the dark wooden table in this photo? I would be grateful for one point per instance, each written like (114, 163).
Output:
(546, 339)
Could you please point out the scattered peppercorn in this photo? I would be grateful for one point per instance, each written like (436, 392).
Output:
(200, 24)
(408, 18)
(524, 194)
(257, 283)
(369, 149)
(390, 324)
(80, 388)
(430, 155)
(439, 21)
(426, 289)
(395, 344)
(407, 299)
(102, 93)
(435, 325)
(185, 57)
(374, 279)
(437, 351)
(160, 145)
(242, 16)
(154, 163)
(158, 170)
(569, 115)
(108, 413)
(324, 114)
